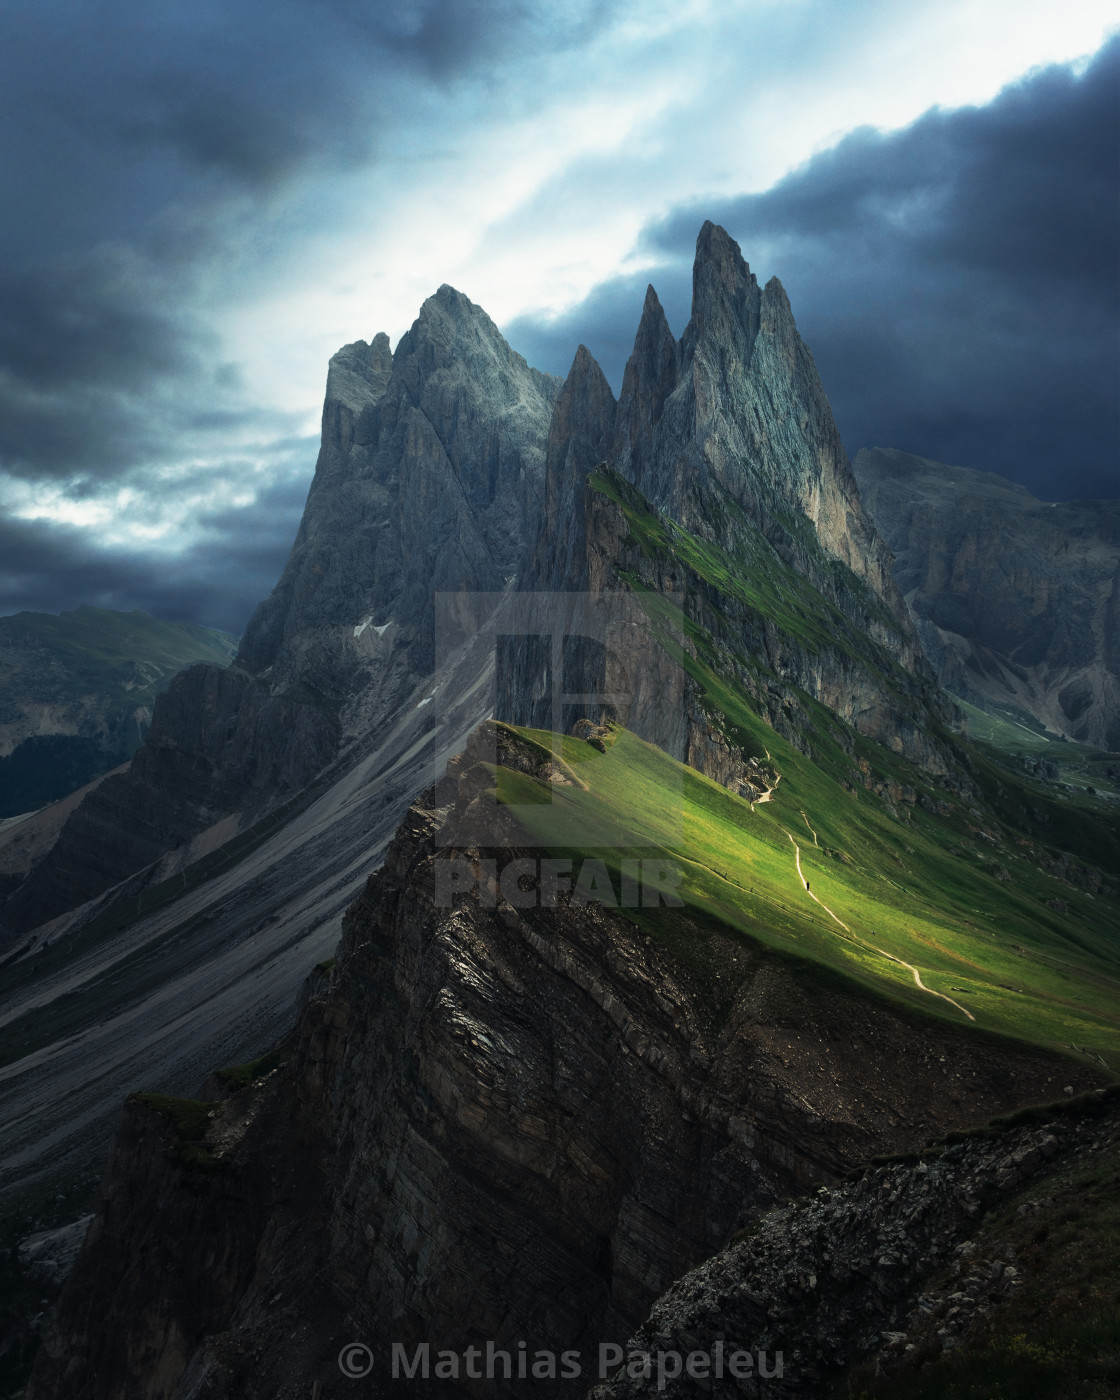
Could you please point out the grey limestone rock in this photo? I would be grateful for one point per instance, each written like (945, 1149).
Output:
(747, 418)
(728, 435)
(863, 1272)
(1017, 600)
(490, 1123)
(430, 477)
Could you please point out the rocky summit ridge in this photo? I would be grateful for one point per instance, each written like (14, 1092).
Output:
(734, 415)
(491, 1122)
(737, 410)
(724, 443)
(429, 476)
(452, 466)
(497, 1116)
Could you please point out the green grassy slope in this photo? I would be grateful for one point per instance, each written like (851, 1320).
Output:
(1080, 769)
(894, 891)
(963, 881)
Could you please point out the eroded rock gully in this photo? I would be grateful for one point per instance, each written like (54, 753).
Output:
(491, 1124)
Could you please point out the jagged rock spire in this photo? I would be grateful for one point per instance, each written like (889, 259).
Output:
(430, 475)
(580, 437)
(358, 373)
(651, 376)
(725, 300)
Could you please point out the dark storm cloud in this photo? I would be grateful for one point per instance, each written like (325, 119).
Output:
(113, 113)
(102, 372)
(957, 281)
(144, 141)
(148, 148)
(108, 109)
(116, 118)
(97, 379)
(90, 318)
(48, 568)
(452, 38)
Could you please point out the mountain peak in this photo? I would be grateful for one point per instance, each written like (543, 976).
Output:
(579, 439)
(453, 333)
(719, 265)
(358, 373)
(651, 376)
(584, 361)
(725, 298)
(449, 298)
(776, 312)
(651, 306)
(653, 328)
(713, 242)
(446, 314)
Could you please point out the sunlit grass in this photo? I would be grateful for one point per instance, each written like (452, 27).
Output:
(986, 944)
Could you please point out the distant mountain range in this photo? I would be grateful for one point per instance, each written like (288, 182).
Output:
(691, 892)
(77, 691)
(1016, 600)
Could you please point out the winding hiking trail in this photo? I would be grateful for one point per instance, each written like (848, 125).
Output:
(809, 892)
(922, 986)
(917, 976)
(881, 951)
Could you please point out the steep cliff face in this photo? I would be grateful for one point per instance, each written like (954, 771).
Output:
(1017, 600)
(492, 1122)
(719, 480)
(735, 415)
(750, 620)
(430, 477)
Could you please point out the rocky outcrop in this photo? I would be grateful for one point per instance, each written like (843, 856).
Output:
(719, 482)
(430, 477)
(735, 416)
(579, 438)
(743, 612)
(493, 1122)
(877, 1270)
(1017, 600)
(652, 373)
(24, 842)
(220, 742)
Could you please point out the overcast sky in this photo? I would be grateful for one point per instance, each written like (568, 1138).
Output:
(201, 203)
